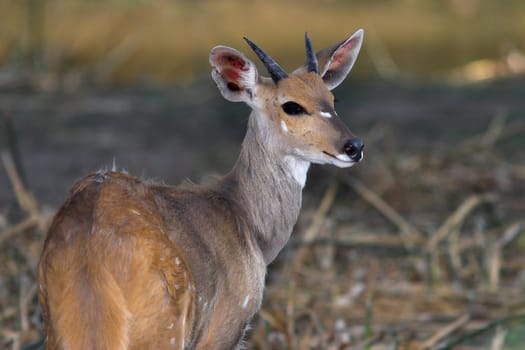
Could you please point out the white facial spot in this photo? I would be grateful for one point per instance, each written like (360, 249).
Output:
(284, 127)
(341, 161)
(298, 169)
(343, 157)
(326, 114)
(245, 302)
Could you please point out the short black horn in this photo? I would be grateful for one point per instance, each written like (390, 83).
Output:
(311, 59)
(276, 72)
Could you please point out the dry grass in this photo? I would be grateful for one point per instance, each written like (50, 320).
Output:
(417, 248)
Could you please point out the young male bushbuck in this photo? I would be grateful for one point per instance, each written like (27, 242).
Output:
(130, 264)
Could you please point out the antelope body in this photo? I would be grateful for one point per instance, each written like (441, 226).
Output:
(129, 264)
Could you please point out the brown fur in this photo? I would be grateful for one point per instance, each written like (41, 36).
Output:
(119, 299)
(129, 264)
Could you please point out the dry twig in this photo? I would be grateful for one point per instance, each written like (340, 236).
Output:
(445, 331)
(25, 199)
(27, 293)
(290, 315)
(11, 337)
(495, 252)
(23, 226)
(409, 234)
(511, 233)
(317, 223)
(499, 339)
(487, 139)
(457, 217)
(505, 321)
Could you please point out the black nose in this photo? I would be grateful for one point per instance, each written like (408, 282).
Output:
(354, 149)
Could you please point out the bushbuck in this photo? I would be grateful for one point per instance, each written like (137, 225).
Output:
(133, 264)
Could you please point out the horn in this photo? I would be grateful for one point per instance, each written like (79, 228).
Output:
(276, 72)
(311, 59)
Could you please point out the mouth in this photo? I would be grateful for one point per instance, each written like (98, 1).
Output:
(340, 160)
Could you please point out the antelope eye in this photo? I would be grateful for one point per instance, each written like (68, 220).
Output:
(293, 108)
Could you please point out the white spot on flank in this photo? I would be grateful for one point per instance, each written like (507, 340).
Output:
(246, 301)
(135, 211)
(171, 325)
(326, 114)
(183, 328)
(284, 126)
(177, 260)
(298, 169)
(172, 341)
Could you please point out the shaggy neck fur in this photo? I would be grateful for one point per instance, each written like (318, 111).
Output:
(269, 185)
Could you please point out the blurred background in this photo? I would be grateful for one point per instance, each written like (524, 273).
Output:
(420, 246)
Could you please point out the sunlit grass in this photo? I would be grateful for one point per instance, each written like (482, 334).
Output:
(167, 40)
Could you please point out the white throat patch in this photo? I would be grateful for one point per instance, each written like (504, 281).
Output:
(297, 168)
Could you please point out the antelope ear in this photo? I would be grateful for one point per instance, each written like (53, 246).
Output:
(235, 75)
(335, 62)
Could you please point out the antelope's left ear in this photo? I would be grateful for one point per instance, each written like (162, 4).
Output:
(235, 75)
(335, 62)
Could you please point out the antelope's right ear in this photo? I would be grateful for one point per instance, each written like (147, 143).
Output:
(235, 75)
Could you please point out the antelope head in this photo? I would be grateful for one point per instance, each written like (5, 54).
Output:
(295, 111)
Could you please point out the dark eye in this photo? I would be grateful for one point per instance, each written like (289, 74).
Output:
(293, 108)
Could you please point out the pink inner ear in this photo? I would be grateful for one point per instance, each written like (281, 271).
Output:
(342, 53)
(234, 61)
(230, 74)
